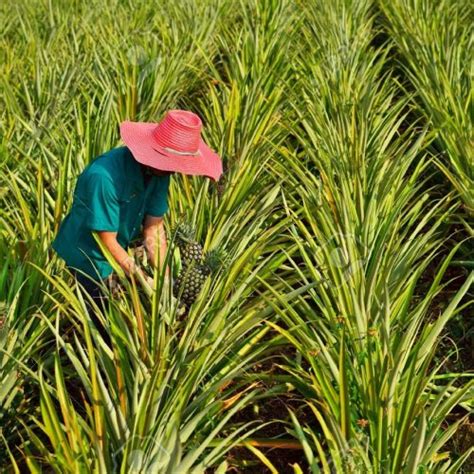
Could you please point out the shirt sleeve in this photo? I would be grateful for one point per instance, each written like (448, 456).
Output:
(157, 204)
(103, 209)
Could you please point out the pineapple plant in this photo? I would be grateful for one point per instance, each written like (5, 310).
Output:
(18, 391)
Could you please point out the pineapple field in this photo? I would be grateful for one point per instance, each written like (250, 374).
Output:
(319, 313)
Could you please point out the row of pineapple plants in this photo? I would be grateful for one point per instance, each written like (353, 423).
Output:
(322, 217)
(368, 225)
(434, 41)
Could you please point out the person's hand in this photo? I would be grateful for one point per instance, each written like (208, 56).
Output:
(143, 279)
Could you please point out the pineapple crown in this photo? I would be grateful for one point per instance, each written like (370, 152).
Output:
(215, 259)
(184, 232)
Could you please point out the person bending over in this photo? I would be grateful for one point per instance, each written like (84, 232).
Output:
(124, 191)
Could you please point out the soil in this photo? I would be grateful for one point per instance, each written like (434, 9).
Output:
(274, 408)
(242, 460)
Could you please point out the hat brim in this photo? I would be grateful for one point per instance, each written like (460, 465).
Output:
(138, 137)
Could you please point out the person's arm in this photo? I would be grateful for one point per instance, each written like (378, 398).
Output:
(104, 217)
(155, 241)
(126, 262)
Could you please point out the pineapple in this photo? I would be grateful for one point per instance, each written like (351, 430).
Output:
(193, 275)
(189, 282)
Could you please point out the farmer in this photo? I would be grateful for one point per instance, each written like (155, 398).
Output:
(125, 188)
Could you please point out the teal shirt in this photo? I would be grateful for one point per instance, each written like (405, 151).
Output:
(110, 195)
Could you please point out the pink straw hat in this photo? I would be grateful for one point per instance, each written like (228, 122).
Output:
(174, 144)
